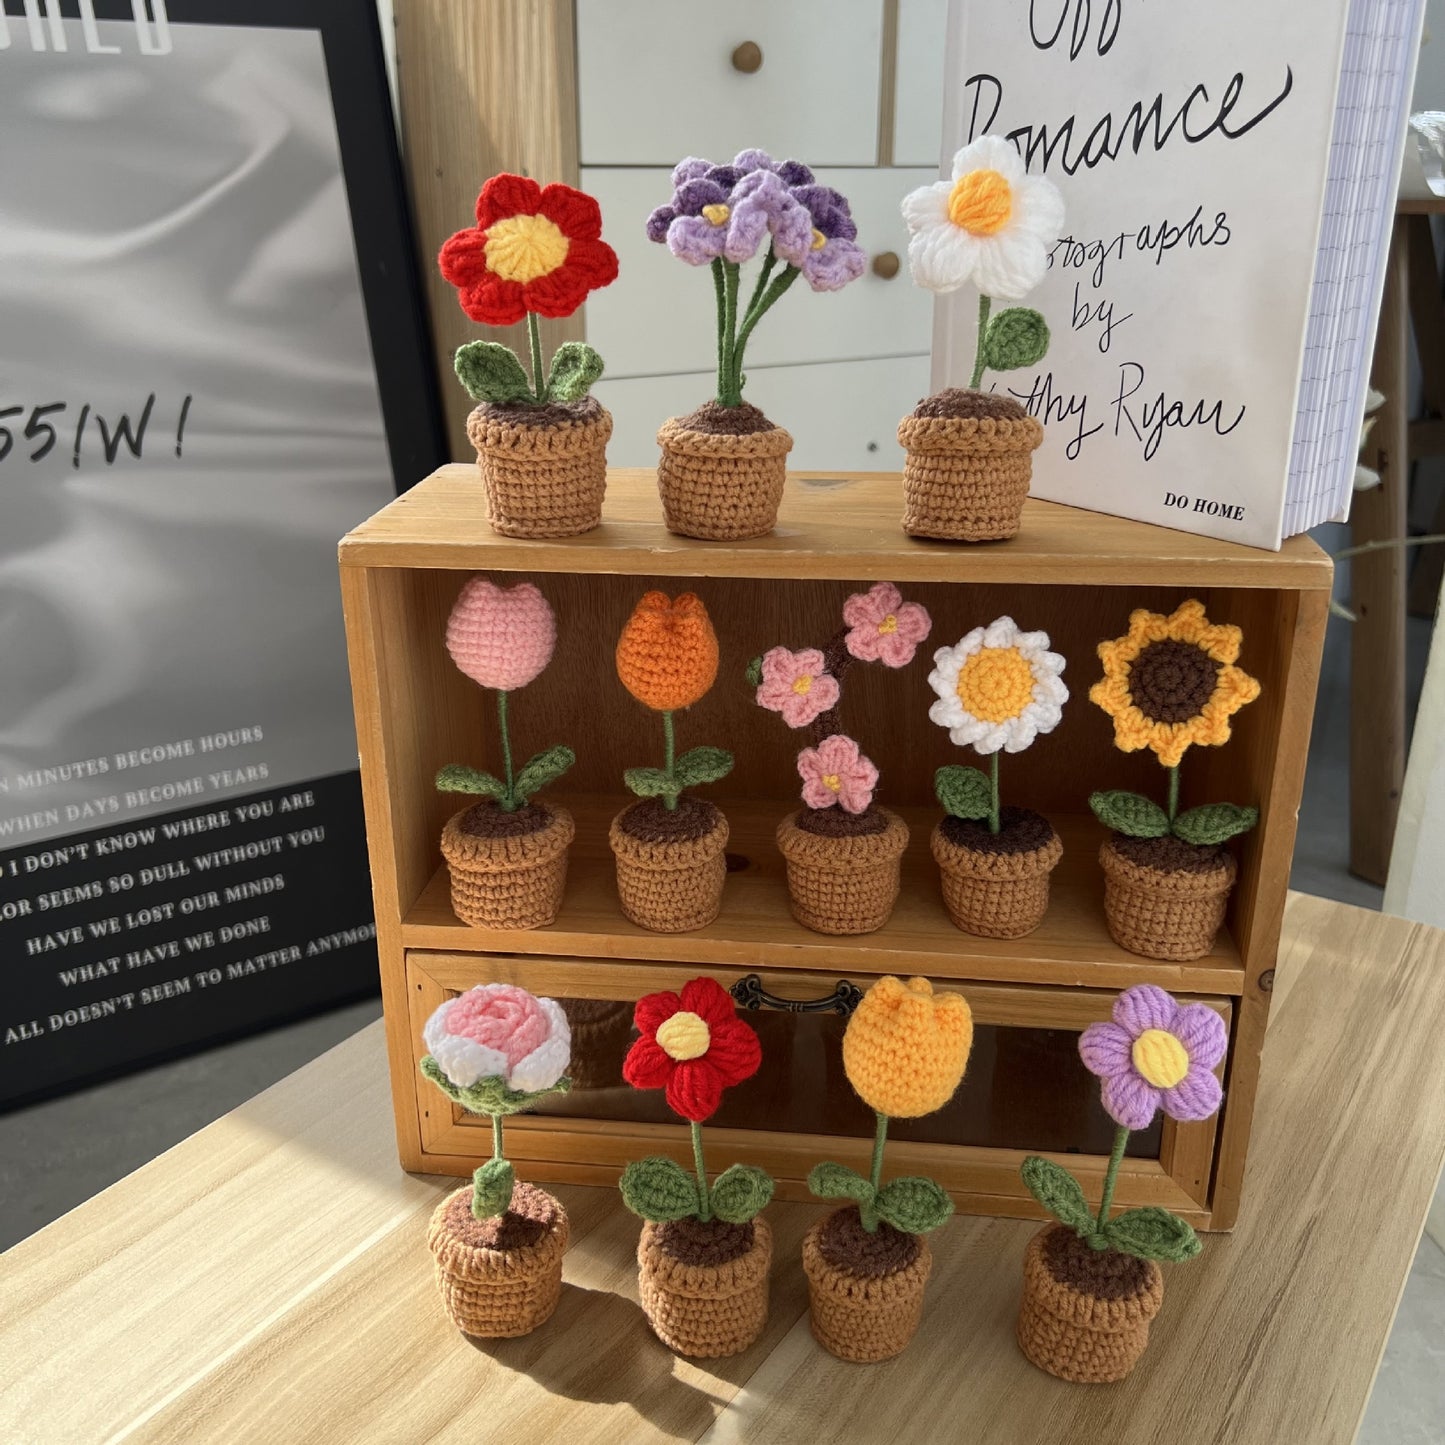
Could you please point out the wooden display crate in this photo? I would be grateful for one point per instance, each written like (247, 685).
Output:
(1075, 574)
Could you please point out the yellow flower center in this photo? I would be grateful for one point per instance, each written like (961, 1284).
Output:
(1160, 1058)
(803, 685)
(832, 782)
(889, 624)
(996, 684)
(819, 240)
(523, 248)
(981, 202)
(684, 1036)
(717, 214)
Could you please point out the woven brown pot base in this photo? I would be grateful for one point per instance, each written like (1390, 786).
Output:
(705, 1310)
(863, 1318)
(673, 885)
(995, 895)
(504, 882)
(498, 1293)
(965, 478)
(1076, 1336)
(843, 885)
(719, 487)
(1172, 916)
(542, 481)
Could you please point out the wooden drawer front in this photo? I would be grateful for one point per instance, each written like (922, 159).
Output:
(661, 316)
(843, 415)
(918, 86)
(1026, 1090)
(656, 80)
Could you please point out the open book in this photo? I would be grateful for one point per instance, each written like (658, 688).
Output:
(1229, 173)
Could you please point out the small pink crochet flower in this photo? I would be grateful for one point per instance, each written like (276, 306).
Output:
(497, 1030)
(501, 637)
(795, 685)
(836, 772)
(1157, 1054)
(883, 627)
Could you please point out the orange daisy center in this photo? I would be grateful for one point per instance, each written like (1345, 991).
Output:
(981, 202)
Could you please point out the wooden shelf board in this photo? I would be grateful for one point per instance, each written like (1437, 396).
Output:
(755, 929)
(830, 527)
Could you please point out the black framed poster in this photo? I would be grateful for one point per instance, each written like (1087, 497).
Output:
(213, 362)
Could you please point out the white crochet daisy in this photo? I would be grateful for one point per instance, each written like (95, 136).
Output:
(998, 688)
(992, 224)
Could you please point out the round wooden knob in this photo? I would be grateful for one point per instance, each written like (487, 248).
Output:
(748, 57)
(885, 265)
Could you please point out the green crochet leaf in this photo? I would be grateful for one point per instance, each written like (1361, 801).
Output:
(754, 673)
(457, 778)
(703, 765)
(490, 1095)
(1214, 823)
(740, 1193)
(1059, 1192)
(545, 768)
(1153, 1233)
(913, 1204)
(575, 366)
(836, 1181)
(1130, 813)
(1014, 338)
(659, 1189)
(492, 1189)
(491, 372)
(964, 792)
(651, 783)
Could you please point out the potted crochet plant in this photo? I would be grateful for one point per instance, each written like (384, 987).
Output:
(1092, 1282)
(541, 440)
(705, 1248)
(668, 845)
(498, 1243)
(1170, 682)
(842, 851)
(998, 689)
(904, 1051)
(969, 451)
(506, 854)
(723, 465)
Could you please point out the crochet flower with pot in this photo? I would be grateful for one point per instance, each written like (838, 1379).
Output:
(969, 451)
(1092, 1281)
(540, 438)
(842, 851)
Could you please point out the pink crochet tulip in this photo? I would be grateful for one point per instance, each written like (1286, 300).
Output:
(501, 637)
(836, 772)
(883, 627)
(795, 685)
(497, 1030)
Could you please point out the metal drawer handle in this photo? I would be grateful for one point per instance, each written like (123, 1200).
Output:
(751, 994)
(748, 57)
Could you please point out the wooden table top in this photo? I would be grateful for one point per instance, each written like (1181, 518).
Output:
(268, 1279)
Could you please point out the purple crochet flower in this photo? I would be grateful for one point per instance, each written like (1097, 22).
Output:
(1156, 1054)
(833, 257)
(708, 220)
(696, 183)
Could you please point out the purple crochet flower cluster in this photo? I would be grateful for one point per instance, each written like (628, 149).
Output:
(726, 212)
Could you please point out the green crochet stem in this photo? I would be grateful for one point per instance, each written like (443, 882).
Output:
(704, 1199)
(1098, 1240)
(984, 305)
(726, 394)
(509, 801)
(867, 1209)
(719, 285)
(755, 314)
(1173, 792)
(534, 339)
(669, 766)
(766, 270)
(994, 823)
(497, 1137)
(733, 332)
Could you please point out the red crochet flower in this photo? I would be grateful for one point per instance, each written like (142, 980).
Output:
(694, 1046)
(532, 249)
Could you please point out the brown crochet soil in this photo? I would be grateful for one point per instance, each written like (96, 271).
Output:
(1021, 830)
(1169, 855)
(530, 1217)
(693, 1242)
(553, 414)
(847, 1246)
(962, 403)
(651, 821)
(1103, 1274)
(1171, 681)
(487, 820)
(837, 823)
(727, 421)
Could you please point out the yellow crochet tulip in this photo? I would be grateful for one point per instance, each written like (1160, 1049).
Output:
(905, 1048)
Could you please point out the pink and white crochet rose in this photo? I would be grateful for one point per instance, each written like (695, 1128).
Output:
(795, 685)
(497, 1030)
(501, 637)
(882, 627)
(836, 772)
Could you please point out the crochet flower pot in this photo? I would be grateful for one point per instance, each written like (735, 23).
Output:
(670, 865)
(996, 885)
(1165, 898)
(544, 467)
(508, 870)
(844, 881)
(704, 1286)
(722, 472)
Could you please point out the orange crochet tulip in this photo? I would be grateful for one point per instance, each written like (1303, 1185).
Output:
(667, 656)
(905, 1048)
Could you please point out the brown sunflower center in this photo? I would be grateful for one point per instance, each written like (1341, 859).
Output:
(1170, 681)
